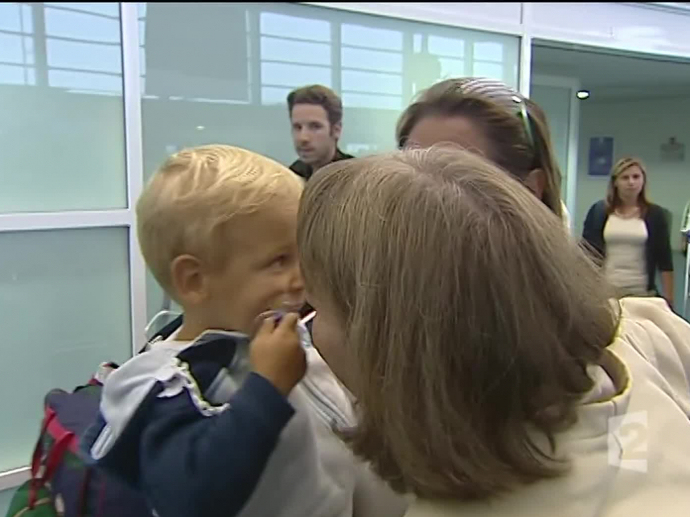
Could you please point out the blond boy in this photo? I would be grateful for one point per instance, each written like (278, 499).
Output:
(206, 423)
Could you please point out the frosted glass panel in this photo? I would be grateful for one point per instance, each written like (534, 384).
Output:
(10, 16)
(207, 85)
(64, 309)
(84, 26)
(494, 70)
(305, 52)
(62, 124)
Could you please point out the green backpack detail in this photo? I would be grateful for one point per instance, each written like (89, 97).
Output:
(23, 505)
(34, 498)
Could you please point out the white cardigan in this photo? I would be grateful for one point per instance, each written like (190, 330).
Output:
(645, 425)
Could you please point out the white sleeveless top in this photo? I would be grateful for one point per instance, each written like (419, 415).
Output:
(626, 264)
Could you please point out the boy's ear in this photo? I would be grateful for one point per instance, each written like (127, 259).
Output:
(188, 280)
(536, 182)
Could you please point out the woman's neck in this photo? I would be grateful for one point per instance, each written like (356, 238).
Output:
(629, 203)
(628, 208)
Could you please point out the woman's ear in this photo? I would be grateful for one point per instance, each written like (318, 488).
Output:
(536, 182)
(188, 280)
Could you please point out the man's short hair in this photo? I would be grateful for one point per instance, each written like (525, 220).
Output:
(190, 202)
(321, 96)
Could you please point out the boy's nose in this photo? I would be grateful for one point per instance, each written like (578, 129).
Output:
(296, 281)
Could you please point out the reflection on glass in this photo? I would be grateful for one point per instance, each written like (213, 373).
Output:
(280, 74)
(488, 51)
(103, 8)
(280, 49)
(75, 82)
(451, 47)
(451, 67)
(295, 27)
(377, 60)
(274, 95)
(369, 37)
(62, 130)
(492, 70)
(417, 43)
(84, 56)
(372, 101)
(11, 49)
(16, 75)
(76, 25)
(355, 81)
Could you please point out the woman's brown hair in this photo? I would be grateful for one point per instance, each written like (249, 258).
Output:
(612, 198)
(515, 126)
(469, 317)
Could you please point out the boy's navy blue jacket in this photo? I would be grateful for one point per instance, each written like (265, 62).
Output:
(154, 429)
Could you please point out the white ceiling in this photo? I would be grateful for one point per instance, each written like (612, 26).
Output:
(609, 75)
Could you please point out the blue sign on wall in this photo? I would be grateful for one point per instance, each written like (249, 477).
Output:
(600, 155)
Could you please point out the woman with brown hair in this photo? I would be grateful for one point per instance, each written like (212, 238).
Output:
(631, 234)
(493, 374)
(489, 118)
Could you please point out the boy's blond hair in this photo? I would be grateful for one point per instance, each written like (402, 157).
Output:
(187, 206)
(469, 317)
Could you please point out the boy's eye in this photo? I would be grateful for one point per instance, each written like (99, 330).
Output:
(280, 261)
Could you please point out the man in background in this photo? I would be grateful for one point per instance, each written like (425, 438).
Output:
(316, 118)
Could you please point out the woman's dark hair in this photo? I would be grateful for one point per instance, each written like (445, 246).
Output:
(515, 126)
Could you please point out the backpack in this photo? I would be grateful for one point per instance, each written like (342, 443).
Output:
(61, 483)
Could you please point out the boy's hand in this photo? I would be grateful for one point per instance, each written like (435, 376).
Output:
(276, 353)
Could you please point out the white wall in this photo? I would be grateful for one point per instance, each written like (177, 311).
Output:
(555, 101)
(639, 128)
(556, 96)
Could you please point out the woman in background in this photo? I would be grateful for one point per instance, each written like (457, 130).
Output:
(631, 234)
(488, 118)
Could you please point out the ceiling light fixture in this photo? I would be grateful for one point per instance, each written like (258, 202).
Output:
(582, 94)
(200, 128)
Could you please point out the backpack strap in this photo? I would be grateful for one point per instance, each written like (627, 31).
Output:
(171, 327)
(164, 333)
(63, 441)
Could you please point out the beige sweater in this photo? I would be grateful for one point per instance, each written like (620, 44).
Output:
(630, 451)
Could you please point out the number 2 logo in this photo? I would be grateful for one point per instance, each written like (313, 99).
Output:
(627, 441)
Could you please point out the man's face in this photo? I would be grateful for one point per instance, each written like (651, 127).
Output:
(314, 138)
